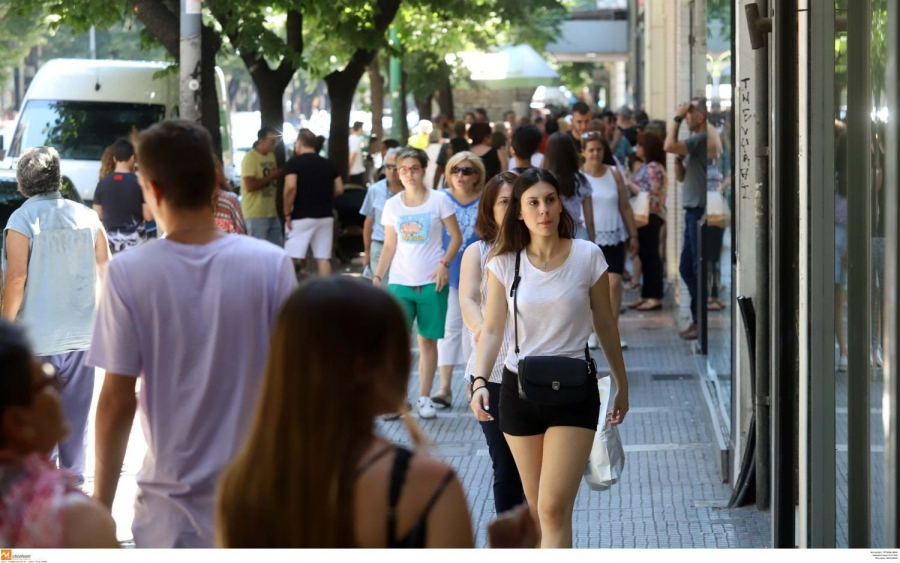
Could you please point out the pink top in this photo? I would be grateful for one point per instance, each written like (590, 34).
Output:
(31, 494)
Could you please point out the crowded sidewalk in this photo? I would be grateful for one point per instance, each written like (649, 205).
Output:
(670, 494)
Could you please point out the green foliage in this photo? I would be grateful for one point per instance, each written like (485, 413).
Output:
(576, 76)
(124, 40)
(19, 32)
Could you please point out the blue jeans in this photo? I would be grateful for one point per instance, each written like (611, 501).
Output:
(690, 254)
(266, 228)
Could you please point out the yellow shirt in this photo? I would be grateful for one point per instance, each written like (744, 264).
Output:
(261, 203)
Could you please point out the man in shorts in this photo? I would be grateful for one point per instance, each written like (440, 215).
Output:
(310, 185)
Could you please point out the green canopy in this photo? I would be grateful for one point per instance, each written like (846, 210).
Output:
(518, 66)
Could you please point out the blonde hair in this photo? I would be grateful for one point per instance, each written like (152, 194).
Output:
(477, 164)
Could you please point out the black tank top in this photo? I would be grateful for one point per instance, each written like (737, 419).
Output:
(415, 538)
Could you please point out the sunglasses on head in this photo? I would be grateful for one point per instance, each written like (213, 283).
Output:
(464, 170)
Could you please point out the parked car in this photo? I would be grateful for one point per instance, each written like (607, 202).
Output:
(11, 199)
(80, 107)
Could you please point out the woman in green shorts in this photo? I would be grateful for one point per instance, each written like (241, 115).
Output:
(420, 269)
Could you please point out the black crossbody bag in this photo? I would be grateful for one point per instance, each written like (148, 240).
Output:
(551, 380)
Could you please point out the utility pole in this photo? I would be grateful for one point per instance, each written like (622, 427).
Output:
(93, 42)
(397, 117)
(189, 65)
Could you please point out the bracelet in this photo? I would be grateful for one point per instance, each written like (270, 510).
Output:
(376, 276)
(444, 264)
(474, 379)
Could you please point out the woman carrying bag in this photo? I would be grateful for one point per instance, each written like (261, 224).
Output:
(557, 288)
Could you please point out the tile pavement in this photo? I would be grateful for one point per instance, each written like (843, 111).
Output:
(670, 495)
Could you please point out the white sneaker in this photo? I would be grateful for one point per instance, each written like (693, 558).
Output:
(592, 341)
(623, 344)
(842, 366)
(426, 408)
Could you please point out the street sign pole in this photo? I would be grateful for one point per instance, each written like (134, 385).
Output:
(189, 61)
(397, 116)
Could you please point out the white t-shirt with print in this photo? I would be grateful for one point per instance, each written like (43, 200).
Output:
(419, 237)
(555, 306)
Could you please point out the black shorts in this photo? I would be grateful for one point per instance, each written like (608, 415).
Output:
(519, 417)
(615, 257)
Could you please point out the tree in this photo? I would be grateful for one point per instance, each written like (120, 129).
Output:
(19, 34)
(161, 19)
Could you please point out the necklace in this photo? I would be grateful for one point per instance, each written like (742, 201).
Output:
(543, 262)
(189, 229)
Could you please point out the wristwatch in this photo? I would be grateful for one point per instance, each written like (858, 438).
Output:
(678, 119)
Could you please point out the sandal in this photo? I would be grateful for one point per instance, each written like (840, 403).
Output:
(647, 306)
(633, 287)
(636, 304)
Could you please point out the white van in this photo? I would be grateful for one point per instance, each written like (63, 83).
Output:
(80, 107)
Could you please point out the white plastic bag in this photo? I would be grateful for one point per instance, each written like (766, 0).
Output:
(640, 207)
(604, 468)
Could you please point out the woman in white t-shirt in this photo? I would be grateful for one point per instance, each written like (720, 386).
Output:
(414, 221)
(563, 289)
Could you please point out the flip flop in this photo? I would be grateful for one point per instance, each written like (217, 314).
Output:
(650, 308)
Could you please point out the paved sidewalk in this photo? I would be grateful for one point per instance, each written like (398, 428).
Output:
(670, 494)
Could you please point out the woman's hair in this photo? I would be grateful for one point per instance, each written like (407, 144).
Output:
(15, 368)
(477, 164)
(563, 160)
(478, 132)
(485, 225)
(339, 346)
(514, 234)
(221, 181)
(37, 171)
(595, 137)
(459, 144)
(653, 147)
(498, 140)
(107, 161)
(412, 152)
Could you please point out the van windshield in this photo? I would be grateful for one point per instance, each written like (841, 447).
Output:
(80, 130)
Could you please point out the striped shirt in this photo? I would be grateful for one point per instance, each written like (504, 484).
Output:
(497, 372)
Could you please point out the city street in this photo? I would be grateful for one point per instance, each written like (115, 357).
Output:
(670, 494)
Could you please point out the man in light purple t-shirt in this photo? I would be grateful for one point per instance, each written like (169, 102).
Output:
(191, 315)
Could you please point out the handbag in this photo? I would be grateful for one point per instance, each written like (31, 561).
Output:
(717, 212)
(640, 207)
(604, 467)
(551, 380)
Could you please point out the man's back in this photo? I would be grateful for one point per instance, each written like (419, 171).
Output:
(195, 321)
(120, 195)
(694, 185)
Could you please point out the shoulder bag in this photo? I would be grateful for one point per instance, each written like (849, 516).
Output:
(551, 380)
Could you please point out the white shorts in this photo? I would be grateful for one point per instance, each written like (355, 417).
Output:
(318, 233)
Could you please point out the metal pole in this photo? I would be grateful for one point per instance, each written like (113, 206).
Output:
(785, 234)
(859, 220)
(892, 288)
(189, 61)
(761, 398)
(397, 93)
(93, 42)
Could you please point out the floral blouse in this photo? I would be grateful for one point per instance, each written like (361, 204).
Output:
(31, 491)
(652, 178)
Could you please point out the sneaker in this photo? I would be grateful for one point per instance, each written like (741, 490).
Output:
(442, 399)
(623, 344)
(592, 341)
(426, 408)
(842, 366)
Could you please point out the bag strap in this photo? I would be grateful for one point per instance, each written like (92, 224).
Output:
(514, 292)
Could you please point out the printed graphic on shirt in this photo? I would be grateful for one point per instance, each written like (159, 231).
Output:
(267, 193)
(414, 229)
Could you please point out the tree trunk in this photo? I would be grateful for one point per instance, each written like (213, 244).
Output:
(210, 42)
(377, 84)
(423, 106)
(341, 88)
(445, 99)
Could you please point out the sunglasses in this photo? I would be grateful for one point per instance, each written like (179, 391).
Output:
(51, 379)
(464, 170)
